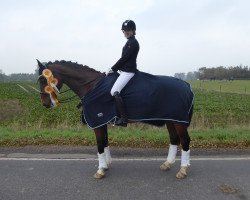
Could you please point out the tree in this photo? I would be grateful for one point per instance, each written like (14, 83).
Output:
(192, 76)
(181, 76)
(219, 73)
(3, 77)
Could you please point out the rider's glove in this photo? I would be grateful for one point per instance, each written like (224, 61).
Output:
(109, 71)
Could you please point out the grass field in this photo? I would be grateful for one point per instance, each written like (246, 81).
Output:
(132, 136)
(220, 118)
(27, 110)
(225, 86)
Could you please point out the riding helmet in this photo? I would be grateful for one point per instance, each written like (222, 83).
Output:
(128, 25)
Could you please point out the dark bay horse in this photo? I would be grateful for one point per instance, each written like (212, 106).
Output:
(81, 80)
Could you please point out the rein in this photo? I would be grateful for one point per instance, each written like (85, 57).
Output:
(70, 98)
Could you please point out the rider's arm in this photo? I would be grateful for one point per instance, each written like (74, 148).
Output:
(128, 52)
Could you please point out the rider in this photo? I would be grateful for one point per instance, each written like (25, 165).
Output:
(127, 67)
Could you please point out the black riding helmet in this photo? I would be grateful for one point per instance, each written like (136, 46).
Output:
(128, 25)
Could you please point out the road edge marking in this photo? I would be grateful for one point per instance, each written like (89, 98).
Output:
(126, 159)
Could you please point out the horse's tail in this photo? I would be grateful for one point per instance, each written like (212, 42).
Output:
(190, 114)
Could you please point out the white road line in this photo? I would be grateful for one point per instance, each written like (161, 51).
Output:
(34, 88)
(23, 88)
(126, 159)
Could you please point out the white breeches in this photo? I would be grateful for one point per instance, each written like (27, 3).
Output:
(121, 82)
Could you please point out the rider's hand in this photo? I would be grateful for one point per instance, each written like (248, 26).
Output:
(109, 71)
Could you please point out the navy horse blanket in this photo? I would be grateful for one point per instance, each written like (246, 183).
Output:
(147, 98)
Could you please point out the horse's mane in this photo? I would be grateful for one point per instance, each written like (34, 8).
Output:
(72, 64)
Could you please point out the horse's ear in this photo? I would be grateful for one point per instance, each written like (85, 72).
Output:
(41, 66)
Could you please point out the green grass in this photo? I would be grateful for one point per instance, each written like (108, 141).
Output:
(220, 118)
(133, 136)
(237, 86)
(214, 109)
(32, 113)
(233, 137)
(21, 109)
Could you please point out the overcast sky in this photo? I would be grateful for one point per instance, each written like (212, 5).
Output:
(174, 35)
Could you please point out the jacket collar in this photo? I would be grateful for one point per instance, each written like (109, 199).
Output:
(132, 37)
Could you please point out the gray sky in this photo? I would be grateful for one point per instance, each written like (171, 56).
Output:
(174, 35)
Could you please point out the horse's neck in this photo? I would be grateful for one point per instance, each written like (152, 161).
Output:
(80, 82)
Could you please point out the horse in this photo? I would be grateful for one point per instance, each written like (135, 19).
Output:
(82, 80)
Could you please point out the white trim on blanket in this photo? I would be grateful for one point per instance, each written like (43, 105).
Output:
(135, 120)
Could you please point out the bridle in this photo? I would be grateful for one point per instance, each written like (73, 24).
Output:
(51, 88)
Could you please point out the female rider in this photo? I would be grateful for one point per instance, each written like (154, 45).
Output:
(127, 67)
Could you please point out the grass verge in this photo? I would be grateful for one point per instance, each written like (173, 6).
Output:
(133, 136)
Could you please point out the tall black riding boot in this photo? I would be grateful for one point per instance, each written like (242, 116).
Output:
(120, 107)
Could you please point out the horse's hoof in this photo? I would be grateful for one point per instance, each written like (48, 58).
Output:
(165, 166)
(182, 173)
(99, 174)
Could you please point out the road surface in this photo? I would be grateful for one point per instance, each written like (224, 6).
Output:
(35, 176)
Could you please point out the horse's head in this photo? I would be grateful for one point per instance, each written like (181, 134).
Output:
(50, 84)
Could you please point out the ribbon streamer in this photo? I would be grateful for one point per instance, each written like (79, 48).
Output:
(51, 88)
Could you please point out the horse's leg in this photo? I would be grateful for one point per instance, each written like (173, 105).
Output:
(106, 147)
(185, 153)
(100, 139)
(172, 151)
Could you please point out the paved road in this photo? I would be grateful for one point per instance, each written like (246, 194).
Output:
(43, 176)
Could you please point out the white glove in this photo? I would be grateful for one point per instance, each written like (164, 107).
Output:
(109, 71)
